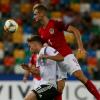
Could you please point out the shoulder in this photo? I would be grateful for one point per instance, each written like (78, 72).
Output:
(42, 50)
(49, 50)
(46, 49)
(52, 21)
(55, 21)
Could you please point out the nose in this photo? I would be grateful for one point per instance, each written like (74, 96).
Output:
(34, 15)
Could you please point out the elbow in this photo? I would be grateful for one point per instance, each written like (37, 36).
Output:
(61, 58)
(74, 29)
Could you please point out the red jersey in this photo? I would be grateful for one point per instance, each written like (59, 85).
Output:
(33, 62)
(54, 36)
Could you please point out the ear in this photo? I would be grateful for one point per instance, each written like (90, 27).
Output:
(41, 14)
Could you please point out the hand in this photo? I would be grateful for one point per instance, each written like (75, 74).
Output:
(81, 53)
(71, 29)
(82, 50)
(25, 66)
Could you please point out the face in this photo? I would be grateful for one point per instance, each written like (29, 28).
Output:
(33, 47)
(37, 15)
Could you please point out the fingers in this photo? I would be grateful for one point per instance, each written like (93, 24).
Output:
(82, 51)
(81, 54)
(25, 66)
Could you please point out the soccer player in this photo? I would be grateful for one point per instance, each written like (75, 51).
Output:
(51, 31)
(45, 87)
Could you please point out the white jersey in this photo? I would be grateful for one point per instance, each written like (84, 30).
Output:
(49, 70)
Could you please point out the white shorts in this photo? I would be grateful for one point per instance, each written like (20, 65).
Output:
(70, 64)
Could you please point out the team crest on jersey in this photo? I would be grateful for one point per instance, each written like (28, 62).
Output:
(51, 31)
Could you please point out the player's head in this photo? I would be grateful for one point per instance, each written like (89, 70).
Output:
(39, 11)
(35, 43)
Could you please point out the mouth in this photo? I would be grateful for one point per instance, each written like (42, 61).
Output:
(35, 20)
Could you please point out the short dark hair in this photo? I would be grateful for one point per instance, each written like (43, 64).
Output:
(41, 8)
(35, 38)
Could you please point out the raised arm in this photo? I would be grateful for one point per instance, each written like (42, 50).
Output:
(61, 26)
(77, 34)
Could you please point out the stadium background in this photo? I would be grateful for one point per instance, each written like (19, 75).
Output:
(84, 14)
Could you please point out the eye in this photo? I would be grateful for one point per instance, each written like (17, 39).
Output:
(34, 14)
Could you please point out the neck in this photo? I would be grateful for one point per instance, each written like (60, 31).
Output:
(45, 21)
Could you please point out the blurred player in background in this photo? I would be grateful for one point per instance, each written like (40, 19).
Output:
(51, 31)
(49, 69)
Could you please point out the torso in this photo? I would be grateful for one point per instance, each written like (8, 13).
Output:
(55, 38)
(47, 68)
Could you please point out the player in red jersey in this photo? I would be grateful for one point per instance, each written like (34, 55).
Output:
(51, 31)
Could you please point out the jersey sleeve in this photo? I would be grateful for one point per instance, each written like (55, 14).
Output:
(51, 51)
(61, 26)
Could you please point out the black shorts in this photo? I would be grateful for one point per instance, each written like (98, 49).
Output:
(45, 92)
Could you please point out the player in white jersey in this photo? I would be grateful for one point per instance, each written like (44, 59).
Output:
(46, 87)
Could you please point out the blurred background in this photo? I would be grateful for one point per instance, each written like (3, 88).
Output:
(84, 14)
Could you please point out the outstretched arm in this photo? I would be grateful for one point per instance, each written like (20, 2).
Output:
(61, 26)
(78, 38)
(77, 35)
(57, 57)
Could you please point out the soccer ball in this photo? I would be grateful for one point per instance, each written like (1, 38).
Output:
(10, 26)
